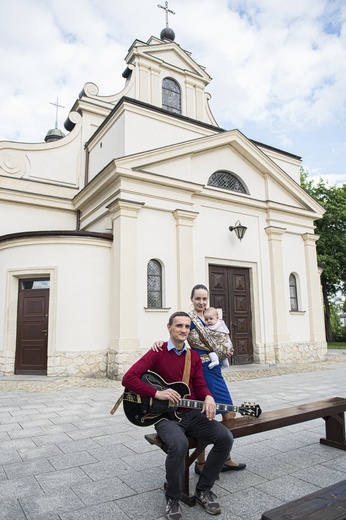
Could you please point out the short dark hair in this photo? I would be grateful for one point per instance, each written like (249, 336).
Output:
(176, 314)
(198, 286)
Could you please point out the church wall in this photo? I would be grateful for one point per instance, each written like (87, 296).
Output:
(21, 218)
(156, 240)
(78, 331)
(294, 262)
(106, 147)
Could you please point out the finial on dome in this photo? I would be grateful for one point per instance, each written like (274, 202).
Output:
(167, 33)
(54, 134)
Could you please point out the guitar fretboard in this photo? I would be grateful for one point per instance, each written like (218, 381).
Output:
(191, 403)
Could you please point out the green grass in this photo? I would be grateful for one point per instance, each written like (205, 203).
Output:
(337, 345)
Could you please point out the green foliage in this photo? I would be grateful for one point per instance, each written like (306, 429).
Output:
(331, 247)
(337, 327)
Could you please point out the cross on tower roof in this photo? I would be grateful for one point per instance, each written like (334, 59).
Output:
(56, 104)
(165, 7)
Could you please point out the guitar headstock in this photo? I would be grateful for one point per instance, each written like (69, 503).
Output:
(252, 409)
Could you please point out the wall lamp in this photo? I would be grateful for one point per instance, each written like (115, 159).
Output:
(238, 229)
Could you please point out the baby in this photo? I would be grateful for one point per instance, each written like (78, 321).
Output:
(212, 321)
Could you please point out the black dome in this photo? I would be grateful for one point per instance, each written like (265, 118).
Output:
(167, 34)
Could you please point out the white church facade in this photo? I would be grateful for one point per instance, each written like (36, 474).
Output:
(105, 231)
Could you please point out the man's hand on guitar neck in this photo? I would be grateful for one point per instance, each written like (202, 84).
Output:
(209, 407)
(168, 395)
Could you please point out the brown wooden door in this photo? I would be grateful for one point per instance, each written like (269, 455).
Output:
(230, 290)
(32, 329)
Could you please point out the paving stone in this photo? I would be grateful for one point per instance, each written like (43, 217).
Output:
(51, 438)
(11, 510)
(37, 507)
(321, 475)
(106, 469)
(110, 452)
(15, 471)
(62, 478)
(30, 432)
(70, 460)
(108, 511)
(145, 506)
(248, 505)
(39, 453)
(287, 488)
(18, 488)
(80, 445)
(102, 491)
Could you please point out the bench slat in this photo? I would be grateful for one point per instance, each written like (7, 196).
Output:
(242, 426)
(326, 504)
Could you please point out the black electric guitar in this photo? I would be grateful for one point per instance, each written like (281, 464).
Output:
(146, 411)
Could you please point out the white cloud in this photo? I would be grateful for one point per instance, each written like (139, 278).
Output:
(279, 67)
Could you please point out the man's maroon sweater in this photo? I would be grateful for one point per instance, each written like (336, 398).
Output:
(170, 367)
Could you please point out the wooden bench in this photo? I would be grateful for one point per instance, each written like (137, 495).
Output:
(331, 410)
(326, 504)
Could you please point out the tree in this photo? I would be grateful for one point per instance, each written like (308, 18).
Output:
(331, 247)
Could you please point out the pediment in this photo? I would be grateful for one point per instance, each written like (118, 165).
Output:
(169, 53)
(196, 160)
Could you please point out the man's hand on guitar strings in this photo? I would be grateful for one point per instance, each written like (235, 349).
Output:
(209, 407)
(168, 395)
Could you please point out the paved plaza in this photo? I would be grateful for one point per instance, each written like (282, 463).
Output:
(64, 457)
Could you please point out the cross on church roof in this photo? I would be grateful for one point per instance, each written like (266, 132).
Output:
(165, 7)
(56, 104)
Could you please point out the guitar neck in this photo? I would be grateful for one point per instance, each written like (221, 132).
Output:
(198, 405)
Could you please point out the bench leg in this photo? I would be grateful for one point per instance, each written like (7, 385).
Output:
(335, 431)
(189, 500)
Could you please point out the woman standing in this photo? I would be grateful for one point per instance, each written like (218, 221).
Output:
(214, 379)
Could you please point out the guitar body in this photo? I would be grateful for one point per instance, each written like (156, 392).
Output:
(146, 411)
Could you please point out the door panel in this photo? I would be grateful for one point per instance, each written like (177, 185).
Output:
(32, 331)
(230, 291)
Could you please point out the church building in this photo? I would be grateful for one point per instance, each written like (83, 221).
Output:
(104, 231)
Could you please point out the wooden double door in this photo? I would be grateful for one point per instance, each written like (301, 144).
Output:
(229, 290)
(32, 327)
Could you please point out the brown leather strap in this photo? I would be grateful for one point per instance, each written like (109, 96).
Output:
(116, 406)
(187, 367)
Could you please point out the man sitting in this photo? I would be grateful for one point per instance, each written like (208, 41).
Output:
(169, 364)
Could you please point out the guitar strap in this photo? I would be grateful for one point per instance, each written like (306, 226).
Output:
(116, 406)
(187, 367)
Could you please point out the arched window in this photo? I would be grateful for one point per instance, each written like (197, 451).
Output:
(227, 181)
(154, 284)
(171, 96)
(293, 293)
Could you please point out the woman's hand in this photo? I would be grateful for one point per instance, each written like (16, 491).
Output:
(168, 395)
(157, 345)
(209, 407)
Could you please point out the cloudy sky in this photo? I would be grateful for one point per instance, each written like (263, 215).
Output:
(278, 66)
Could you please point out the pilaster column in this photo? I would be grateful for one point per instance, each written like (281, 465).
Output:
(278, 284)
(123, 291)
(184, 236)
(315, 302)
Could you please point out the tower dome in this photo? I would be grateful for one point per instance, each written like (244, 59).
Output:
(167, 34)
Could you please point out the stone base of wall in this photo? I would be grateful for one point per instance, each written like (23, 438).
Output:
(120, 362)
(78, 364)
(293, 353)
(7, 363)
(113, 364)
